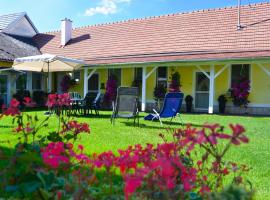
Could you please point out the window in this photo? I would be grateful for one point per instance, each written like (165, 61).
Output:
(138, 74)
(21, 82)
(77, 76)
(162, 76)
(36, 81)
(93, 83)
(239, 72)
(116, 73)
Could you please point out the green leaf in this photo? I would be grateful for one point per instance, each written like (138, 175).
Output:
(47, 179)
(30, 187)
(69, 136)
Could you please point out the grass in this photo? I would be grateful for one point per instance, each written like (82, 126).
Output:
(105, 136)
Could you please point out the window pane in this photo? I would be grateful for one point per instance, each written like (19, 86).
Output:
(77, 75)
(202, 83)
(117, 75)
(162, 76)
(138, 74)
(21, 82)
(36, 81)
(162, 72)
(93, 83)
(239, 72)
(3, 84)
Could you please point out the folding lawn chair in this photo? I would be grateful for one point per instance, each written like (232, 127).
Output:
(126, 105)
(171, 107)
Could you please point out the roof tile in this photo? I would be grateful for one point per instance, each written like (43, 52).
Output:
(206, 34)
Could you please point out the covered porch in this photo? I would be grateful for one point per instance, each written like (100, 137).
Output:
(204, 81)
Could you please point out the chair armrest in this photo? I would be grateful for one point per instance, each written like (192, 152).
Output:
(155, 112)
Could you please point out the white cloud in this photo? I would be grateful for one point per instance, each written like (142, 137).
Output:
(106, 7)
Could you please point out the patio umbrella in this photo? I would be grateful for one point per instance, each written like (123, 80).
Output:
(47, 63)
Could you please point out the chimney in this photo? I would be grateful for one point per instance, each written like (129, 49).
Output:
(66, 31)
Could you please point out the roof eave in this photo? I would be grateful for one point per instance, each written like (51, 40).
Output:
(186, 61)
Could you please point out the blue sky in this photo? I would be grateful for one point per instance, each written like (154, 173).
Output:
(46, 14)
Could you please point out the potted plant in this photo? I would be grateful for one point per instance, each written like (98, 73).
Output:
(189, 100)
(159, 94)
(222, 100)
(175, 83)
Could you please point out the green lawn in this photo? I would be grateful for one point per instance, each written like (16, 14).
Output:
(105, 136)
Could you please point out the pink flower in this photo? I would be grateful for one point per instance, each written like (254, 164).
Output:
(132, 183)
(80, 147)
(13, 109)
(27, 101)
(204, 189)
(14, 103)
(55, 154)
(52, 100)
(28, 129)
(75, 127)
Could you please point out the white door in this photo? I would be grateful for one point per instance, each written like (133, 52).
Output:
(4, 88)
(201, 91)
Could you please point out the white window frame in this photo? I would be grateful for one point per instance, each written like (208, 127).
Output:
(194, 89)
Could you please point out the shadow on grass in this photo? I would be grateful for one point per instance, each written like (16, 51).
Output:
(89, 116)
(6, 126)
(166, 125)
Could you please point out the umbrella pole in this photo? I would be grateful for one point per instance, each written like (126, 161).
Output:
(49, 112)
(48, 81)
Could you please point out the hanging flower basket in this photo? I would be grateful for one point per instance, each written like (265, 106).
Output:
(240, 93)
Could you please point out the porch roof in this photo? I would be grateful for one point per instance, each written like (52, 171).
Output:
(194, 36)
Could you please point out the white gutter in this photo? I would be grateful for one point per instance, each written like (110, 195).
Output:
(230, 60)
(10, 69)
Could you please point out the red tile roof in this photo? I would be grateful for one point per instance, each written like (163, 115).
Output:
(199, 35)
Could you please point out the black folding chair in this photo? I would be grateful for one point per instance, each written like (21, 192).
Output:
(126, 105)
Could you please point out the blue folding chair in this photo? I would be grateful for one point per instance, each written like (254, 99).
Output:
(171, 107)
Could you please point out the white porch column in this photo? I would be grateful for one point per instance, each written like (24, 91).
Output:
(145, 76)
(211, 89)
(29, 81)
(143, 89)
(49, 82)
(85, 82)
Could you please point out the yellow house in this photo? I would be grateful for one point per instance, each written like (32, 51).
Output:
(210, 49)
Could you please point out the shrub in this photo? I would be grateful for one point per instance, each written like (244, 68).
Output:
(175, 83)
(20, 94)
(39, 98)
(191, 165)
(160, 91)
